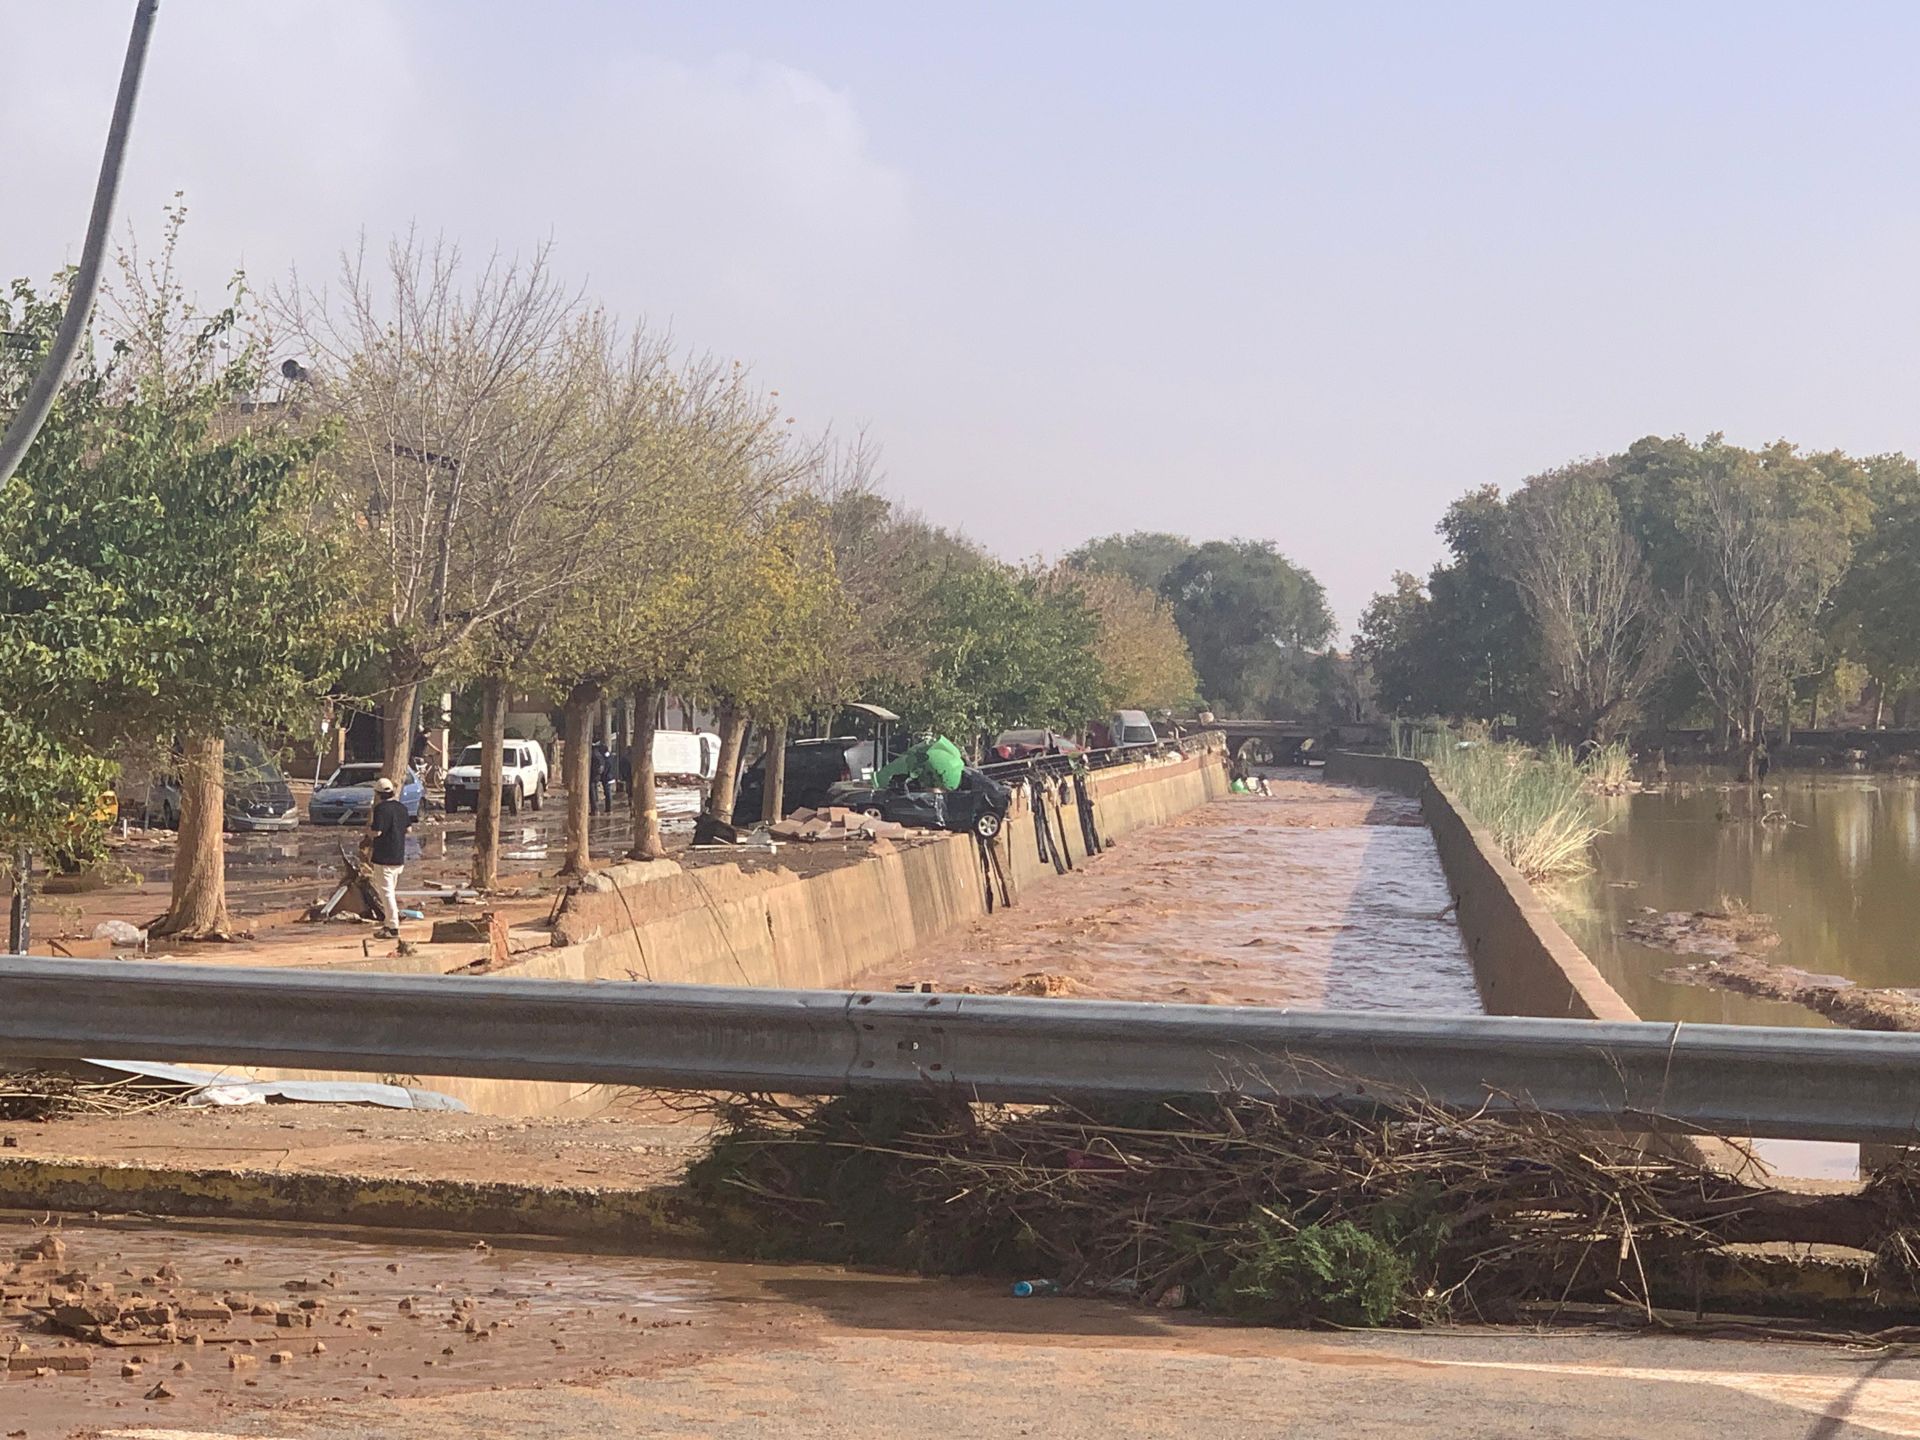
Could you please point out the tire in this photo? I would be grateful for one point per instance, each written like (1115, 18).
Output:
(872, 812)
(987, 824)
(514, 800)
(539, 796)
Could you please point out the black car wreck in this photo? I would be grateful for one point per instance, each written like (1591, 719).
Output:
(978, 803)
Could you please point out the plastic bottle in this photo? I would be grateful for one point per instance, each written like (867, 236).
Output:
(1023, 1289)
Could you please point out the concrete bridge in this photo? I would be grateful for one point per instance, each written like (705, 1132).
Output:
(1287, 739)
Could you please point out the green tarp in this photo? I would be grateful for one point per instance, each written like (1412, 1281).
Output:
(937, 762)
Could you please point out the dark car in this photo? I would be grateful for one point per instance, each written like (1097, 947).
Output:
(814, 767)
(257, 794)
(978, 803)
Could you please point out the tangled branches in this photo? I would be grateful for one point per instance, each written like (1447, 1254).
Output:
(1282, 1212)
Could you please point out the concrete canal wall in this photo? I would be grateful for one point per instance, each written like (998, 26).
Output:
(1523, 961)
(725, 925)
(722, 925)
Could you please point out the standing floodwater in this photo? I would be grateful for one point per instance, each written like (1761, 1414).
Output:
(1323, 897)
(1837, 868)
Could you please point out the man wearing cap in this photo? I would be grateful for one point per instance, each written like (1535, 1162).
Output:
(387, 850)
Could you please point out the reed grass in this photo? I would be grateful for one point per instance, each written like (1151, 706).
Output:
(1536, 804)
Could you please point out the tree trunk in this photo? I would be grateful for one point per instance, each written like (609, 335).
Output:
(486, 805)
(646, 803)
(1879, 704)
(726, 765)
(198, 909)
(396, 731)
(577, 771)
(776, 797)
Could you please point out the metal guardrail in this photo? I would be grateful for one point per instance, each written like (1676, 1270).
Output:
(1726, 1079)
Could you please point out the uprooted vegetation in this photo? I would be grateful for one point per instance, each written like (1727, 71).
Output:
(1288, 1213)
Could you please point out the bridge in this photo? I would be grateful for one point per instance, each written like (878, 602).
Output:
(1285, 740)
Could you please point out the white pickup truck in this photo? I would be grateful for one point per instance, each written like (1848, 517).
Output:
(523, 778)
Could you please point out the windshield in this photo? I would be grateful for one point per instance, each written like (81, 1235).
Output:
(1137, 735)
(510, 757)
(354, 775)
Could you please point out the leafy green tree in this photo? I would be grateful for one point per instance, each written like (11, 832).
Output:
(1252, 619)
(1002, 651)
(1145, 557)
(1144, 660)
(169, 515)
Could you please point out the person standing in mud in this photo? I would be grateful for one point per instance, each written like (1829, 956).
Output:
(386, 848)
(600, 779)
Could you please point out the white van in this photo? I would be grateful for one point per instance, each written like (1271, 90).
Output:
(523, 778)
(1132, 727)
(685, 754)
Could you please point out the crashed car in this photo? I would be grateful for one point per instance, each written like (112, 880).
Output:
(978, 803)
(347, 797)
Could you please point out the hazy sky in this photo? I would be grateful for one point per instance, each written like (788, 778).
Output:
(1296, 272)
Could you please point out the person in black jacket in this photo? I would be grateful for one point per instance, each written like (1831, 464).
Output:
(387, 852)
(600, 770)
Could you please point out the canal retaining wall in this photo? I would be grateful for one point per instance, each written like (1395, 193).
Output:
(723, 925)
(1524, 963)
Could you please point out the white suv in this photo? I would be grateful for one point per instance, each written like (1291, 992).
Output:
(523, 778)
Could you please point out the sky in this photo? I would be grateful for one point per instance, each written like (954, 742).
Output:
(1300, 273)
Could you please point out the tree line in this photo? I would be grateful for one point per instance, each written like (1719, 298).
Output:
(431, 472)
(1674, 583)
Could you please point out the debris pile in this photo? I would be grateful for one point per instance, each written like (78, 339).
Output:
(835, 822)
(1293, 1213)
(1730, 930)
(1857, 1007)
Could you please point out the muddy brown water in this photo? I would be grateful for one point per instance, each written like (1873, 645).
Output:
(1323, 897)
(1839, 875)
(1837, 870)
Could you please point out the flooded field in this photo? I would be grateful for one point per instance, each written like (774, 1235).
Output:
(1837, 869)
(1323, 897)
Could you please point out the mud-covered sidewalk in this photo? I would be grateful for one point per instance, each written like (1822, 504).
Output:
(1324, 896)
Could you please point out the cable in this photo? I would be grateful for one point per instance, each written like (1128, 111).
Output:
(86, 281)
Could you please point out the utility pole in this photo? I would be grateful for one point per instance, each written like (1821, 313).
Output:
(20, 913)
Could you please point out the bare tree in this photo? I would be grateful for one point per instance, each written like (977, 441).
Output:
(1585, 581)
(1765, 551)
(454, 400)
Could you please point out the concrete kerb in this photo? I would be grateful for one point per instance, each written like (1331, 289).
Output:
(1523, 962)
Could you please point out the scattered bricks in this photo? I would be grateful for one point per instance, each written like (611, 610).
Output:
(212, 1310)
(313, 1305)
(294, 1319)
(281, 1357)
(131, 1368)
(169, 1274)
(160, 1392)
(181, 1367)
(21, 1363)
(48, 1247)
(319, 1347)
(459, 932)
(162, 1314)
(242, 1361)
(264, 1309)
(447, 1351)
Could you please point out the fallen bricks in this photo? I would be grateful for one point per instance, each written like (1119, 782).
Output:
(835, 822)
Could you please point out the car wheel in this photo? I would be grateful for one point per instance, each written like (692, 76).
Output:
(538, 797)
(513, 801)
(987, 824)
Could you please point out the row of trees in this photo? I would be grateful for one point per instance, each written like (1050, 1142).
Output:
(1674, 581)
(430, 473)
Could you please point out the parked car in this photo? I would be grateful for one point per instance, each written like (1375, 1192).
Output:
(814, 767)
(347, 796)
(978, 803)
(1025, 744)
(523, 778)
(257, 794)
